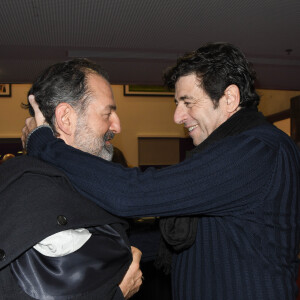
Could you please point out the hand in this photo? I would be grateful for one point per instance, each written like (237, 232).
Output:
(133, 278)
(31, 123)
(39, 118)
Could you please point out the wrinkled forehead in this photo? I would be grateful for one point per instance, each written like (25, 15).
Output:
(100, 91)
(97, 83)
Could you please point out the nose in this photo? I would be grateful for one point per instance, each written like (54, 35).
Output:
(115, 125)
(180, 114)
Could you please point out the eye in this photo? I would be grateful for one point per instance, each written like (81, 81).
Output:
(107, 116)
(187, 104)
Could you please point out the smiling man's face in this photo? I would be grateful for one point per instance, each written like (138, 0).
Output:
(196, 110)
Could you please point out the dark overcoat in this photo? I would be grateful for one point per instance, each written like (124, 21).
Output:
(36, 201)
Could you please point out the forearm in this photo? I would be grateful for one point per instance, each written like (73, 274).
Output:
(198, 185)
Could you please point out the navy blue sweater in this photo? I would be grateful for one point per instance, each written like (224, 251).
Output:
(245, 189)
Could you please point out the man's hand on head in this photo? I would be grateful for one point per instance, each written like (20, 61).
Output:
(32, 122)
(39, 118)
(133, 278)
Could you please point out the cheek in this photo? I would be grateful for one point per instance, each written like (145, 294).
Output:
(215, 121)
(98, 125)
(198, 115)
(205, 119)
(104, 126)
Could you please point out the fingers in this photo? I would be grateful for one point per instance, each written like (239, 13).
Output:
(135, 265)
(137, 273)
(39, 118)
(30, 124)
(24, 137)
(135, 285)
(133, 278)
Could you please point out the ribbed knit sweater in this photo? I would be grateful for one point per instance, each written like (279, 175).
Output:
(244, 188)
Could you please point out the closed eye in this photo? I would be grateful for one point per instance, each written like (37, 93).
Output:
(107, 116)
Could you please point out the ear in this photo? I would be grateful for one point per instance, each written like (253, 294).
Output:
(232, 97)
(65, 119)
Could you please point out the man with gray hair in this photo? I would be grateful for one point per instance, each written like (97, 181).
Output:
(63, 246)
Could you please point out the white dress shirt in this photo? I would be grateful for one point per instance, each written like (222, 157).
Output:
(63, 243)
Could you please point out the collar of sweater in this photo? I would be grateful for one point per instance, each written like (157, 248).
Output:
(241, 121)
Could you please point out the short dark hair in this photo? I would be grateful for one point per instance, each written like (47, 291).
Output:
(217, 65)
(63, 82)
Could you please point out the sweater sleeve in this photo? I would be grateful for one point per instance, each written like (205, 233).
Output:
(226, 178)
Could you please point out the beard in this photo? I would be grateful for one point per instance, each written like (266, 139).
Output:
(85, 139)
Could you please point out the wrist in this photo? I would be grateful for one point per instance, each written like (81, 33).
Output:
(37, 138)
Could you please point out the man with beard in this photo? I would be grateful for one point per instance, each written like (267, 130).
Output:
(55, 244)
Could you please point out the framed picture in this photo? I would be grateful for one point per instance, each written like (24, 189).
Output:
(5, 89)
(147, 90)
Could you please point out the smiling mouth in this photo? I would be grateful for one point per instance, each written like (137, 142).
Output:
(192, 128)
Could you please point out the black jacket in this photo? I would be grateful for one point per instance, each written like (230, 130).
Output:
(36, 201)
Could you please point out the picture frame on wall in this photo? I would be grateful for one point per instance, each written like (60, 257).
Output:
(5, 90)
(147, 90)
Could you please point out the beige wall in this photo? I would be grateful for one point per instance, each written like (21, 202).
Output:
(12, 116)
(274, 101)
(143, 116)
(140, 116)
(284, 125)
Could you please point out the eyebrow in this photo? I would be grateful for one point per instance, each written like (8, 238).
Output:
(182, 98)
(111, 107)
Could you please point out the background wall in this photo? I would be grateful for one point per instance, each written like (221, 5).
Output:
(12, 116)
(274, 101)
(140, 116)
